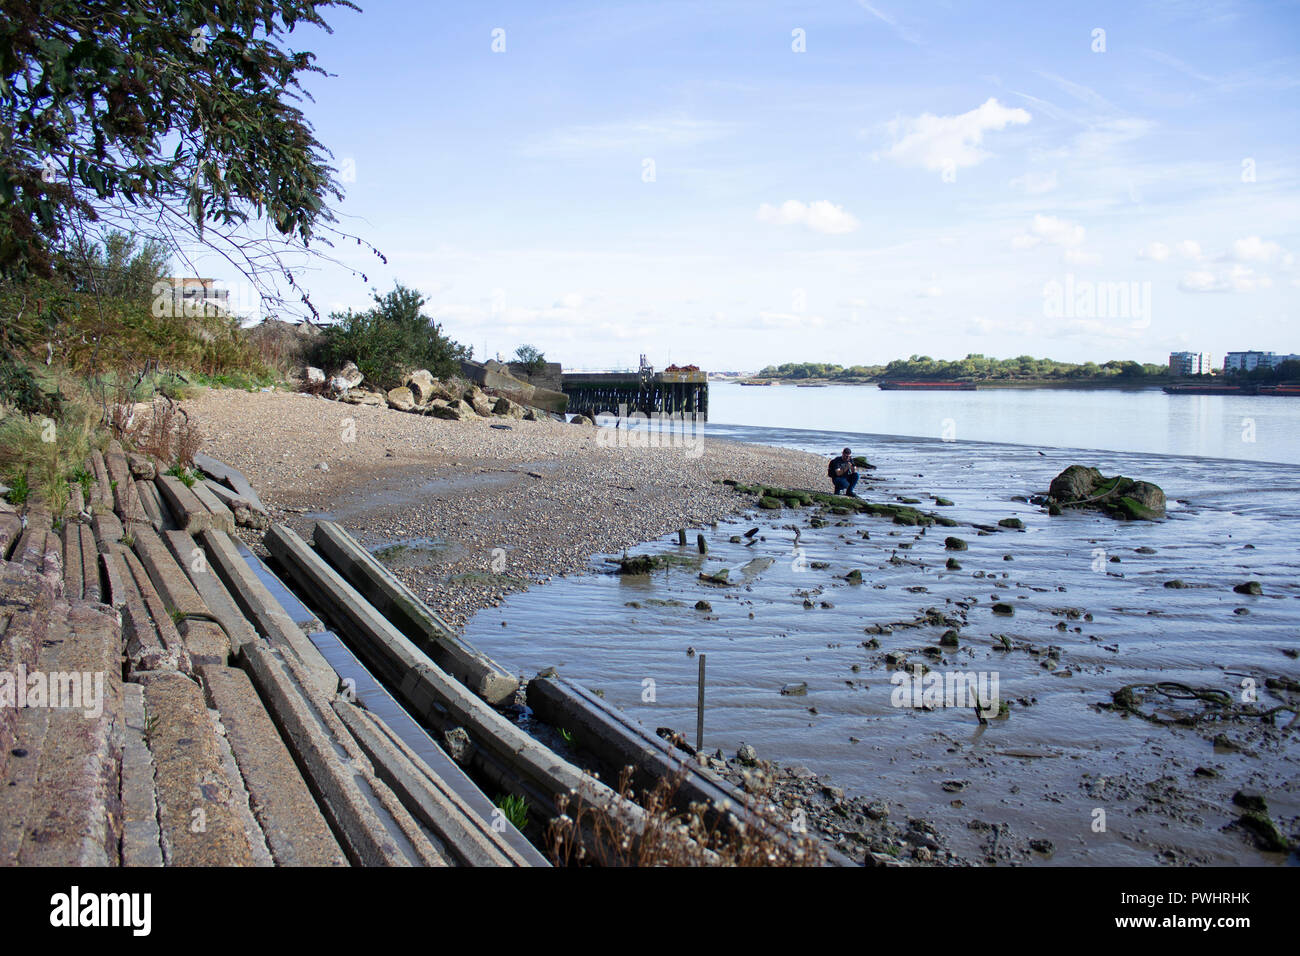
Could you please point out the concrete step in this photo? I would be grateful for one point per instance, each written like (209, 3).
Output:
(286, 812)
(186, 509)
(141, 837)
(204, 637)
(198, 814)
(152, 641)
(190, 556)
(61, 800)
(369, 821)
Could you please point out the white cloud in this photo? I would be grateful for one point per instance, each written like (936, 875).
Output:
(1058, 232)
(1254, 249)
(930, 292)
(789, 320)
(820, 216)
(1237, 279)
(937, 143)
(1190, 249)
(571, 300)
(1157, 251)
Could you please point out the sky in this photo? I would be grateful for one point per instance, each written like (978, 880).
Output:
(735, 185)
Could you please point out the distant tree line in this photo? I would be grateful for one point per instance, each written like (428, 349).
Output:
(973, 368)
(1288, 371)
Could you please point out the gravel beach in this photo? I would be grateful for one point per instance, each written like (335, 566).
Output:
(469, 512)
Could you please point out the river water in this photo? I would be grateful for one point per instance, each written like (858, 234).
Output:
(1091, 614)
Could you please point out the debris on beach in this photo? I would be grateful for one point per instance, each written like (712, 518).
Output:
(1079, 486)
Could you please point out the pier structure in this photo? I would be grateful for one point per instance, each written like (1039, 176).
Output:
(674, 391)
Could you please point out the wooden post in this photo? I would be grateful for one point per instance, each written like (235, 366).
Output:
(702, 544)
(699, 711)
(681, 537)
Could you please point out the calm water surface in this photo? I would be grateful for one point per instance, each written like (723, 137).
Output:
(1059, 757)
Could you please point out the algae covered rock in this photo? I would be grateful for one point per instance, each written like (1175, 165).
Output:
(1117, 496)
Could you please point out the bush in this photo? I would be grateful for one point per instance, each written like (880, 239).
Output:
(389, 340)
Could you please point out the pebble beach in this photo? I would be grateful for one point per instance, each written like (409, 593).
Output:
(501, 507)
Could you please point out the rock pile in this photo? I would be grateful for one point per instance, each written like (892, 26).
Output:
(1082, 487)
(423, 394)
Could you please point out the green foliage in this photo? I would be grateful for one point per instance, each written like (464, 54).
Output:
(84, 478)
(1288, 371)
(186, 476)
(515, 810)
(48, 448)
(973, 368)
(390, 340)
(18, 490)
(531, 359)
(180, 106)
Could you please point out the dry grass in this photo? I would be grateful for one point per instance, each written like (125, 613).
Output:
(164, 431)
(47, 451)
(583, 834)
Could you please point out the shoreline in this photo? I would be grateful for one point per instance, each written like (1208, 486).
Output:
(482, 511)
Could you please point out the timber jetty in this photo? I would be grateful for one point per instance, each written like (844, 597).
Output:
(676, 391)
(169, 698)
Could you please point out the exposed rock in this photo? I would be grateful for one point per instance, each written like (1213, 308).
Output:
(506, 407)
(142, 466)
(350, 374)
(421, 384)
(458, 745)
(1249, 587)
(581, 420)
(401, 398)
(954, 544)
(1117, 496)
(313, 375)
(478, 400)
(358, 396)
(795, 690)
(456, 411)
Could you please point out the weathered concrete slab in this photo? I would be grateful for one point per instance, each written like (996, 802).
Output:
(141, 838)
(107, 530)
(101, 490)
(228, 476)
(262, 609)
(204, 637)
(371, 825)
(73, 576)
(409, 615)
(186, 510)
(41, 550)
(91, 589)
(294, 828)
(222, 518)
(467, 836)
(72, 747)
(153, 643)
(242, 802)
(219, 603)
(231, 499)
(154, 508)
(510, 757)
(26, 607)
(197, 814)
(11, 529)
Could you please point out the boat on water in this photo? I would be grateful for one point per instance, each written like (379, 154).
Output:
(1285, 388)
(758, 383)
(1289, 388)
(930, 386)
(812, 385)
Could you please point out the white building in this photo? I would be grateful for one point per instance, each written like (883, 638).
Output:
(1249, 361)
(1190, 363)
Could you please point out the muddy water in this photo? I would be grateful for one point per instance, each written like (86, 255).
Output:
(1059, 761)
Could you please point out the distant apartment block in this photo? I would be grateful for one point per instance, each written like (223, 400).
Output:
(1249, 361)
(1190, 363)
(201, 296)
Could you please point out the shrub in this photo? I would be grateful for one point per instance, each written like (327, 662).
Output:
(389, 340)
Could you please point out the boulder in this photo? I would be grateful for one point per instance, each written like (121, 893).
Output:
(530, 415)
(360, 396)
(581, 420)
(421, 383)
(313, 375)
(455, 411)
(350, 374)
(1117, 496)
(508, 408)
(478, 400)
(401, 398)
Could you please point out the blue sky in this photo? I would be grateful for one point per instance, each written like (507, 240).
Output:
(677, 179)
